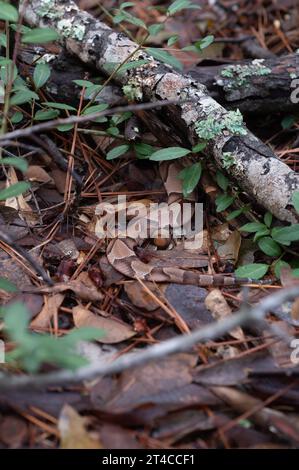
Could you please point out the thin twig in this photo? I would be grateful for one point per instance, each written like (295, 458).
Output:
(27, 256)
(44, 126)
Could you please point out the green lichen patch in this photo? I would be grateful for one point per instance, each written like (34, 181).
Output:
(132, 91)
(48, 8)
(70, 29)
(238, 75)
(228, 160)
(214, 125)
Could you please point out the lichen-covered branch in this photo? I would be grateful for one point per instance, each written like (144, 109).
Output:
(254, 86)
(256, 169)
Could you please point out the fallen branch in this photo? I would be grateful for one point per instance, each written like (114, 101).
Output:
(45, 126)
(255, 167)
(182, 343)
(254, 86)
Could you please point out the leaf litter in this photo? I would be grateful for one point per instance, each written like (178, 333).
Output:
(185, 400)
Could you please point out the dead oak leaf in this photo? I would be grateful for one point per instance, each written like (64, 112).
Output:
(90, 294)
(49, 310)
(115, 331)
(220, 309)
(73, 432)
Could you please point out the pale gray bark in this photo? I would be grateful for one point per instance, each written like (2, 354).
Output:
(255, 167)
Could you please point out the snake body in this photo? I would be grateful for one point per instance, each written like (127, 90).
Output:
(122, 256)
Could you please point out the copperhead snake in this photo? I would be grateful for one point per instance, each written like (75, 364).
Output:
(122, 256)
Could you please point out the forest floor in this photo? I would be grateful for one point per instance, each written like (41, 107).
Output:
(240, 390)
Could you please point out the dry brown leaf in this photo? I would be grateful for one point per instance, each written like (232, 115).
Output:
(13, 431)
(19, 203)
(230, 249)
(295, 310)
(50, 309)
(281, 350)
(73, 432)
(59, 178)
(37, 173)
(140, 297)
(90, 294)
(115, 330)
(220, 233)
(13, 271)
(220, 309)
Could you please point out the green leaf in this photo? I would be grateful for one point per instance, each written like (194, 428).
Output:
(8, 71)
(117, 151)
(178, 5)
(295, 272)
(126, 5)
(295, 200)
(83, 334)
(40, 36)
(236, 213)
(269, 246)
(199, 147)
(22, 28)
(16, 162)
(126, 16)
(117, 119)
(114, 131)
(16, 319)
(14, 190)
(261, 233)
(46, 114)
(223, 202)
(252, 271)
(65, 127)
(8, 12)
(222, 181)
(65, 107)
(83, 83)
(41, 74)
(205, 42)
(154, 29)
(7, 285)
(96, 109)
(3, 40)
(286, 234)
(16, 117)
(92, 91)
(165, 57)
(252, 227)
(23, 96)
(170, 153)
(190, 177)
(278, 266)
(288, 122)
(172, 40)
(143, 150)
(268, 219)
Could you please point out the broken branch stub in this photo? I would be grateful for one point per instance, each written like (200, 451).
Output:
(253, 165)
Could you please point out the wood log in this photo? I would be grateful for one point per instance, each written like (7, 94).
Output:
(198, 117)
(261, 86)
